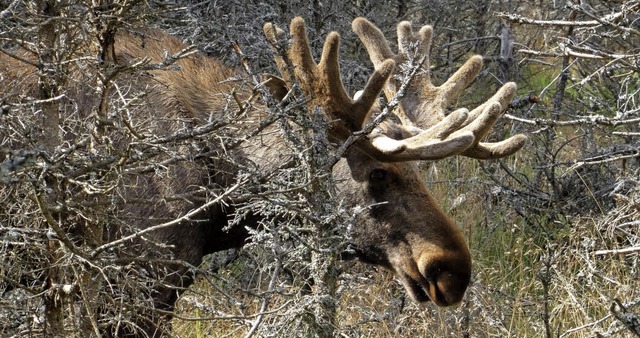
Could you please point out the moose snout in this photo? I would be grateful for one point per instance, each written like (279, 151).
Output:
(446, 288)
(447, 279)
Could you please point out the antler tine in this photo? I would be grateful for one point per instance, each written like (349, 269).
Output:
(449, 91)
(493, 108)
(425, 104)
(504, 95)
(422, 40)
(379, 50)
(373, 40)
(300, 53)
(322, 82)
(273, 34)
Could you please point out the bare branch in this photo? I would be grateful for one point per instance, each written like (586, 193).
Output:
(515, 18)
(624, 251)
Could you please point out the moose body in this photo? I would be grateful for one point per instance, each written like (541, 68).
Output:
(403, 228)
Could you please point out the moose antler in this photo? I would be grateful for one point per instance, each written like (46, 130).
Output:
(424, 104)
(322, 84)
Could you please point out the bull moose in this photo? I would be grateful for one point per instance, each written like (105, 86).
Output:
(403, 230)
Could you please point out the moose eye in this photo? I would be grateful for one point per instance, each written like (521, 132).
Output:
(378, 174)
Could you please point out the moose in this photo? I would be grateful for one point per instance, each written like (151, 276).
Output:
(404, 228)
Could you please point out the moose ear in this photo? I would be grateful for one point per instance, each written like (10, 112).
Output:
(277, 86)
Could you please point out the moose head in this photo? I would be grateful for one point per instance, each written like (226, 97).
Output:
(404, 230)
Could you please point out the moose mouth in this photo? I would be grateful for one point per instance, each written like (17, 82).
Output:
(423, 291)
(415, 290)
(436, 288)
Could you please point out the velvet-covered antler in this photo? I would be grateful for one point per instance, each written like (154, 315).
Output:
(322, 84)
(424, 104)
